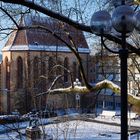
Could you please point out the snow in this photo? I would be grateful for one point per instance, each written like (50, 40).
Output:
(89, 129)
(81, 130)
(44, 47)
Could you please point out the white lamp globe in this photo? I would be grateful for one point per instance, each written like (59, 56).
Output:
(123, 19)
(101, 22)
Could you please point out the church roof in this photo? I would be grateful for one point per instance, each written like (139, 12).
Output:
(38, 39)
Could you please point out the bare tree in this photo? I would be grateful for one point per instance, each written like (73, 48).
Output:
(35, 6)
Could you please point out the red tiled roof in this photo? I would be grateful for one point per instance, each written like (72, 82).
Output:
(41, 37)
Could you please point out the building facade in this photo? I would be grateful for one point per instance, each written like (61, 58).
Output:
(107, 66)
(33, 58)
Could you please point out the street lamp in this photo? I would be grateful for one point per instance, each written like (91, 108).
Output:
(77, 96)
(123, 21)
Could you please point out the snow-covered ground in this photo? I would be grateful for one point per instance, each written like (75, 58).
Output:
(82, 130)
(79, 130)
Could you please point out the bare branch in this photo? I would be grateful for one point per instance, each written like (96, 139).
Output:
(65, 19)
(99, 86)
(61, 66)
(9, 16)
(84, 90)
(68, 45)
(79, 61)
(55, 80)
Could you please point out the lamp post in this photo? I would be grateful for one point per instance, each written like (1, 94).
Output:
(77, 96)
(121, 24)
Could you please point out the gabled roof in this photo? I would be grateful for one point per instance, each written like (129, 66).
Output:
(37, 39)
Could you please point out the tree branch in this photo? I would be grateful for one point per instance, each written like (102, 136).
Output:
(64, 68)
(65, 19)
(99, 86)
(9, 16)
(84, 90)
(68, 45)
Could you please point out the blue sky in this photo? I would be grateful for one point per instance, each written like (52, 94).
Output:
(88, 11)
(2, 43)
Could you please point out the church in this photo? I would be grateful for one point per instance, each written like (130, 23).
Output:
(33, 58)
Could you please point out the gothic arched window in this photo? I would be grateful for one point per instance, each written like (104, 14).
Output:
(66, 65)
(7, 74)
(43, 68)
(43, 73)
(59, 69)
(74, 68)
(79, 74)
(35, 70)
(19, 72)
(50, 67)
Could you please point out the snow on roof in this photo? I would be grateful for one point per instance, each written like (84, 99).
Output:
(43, 48)
(37, 36)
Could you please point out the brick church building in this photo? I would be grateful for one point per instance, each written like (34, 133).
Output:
(28, 60)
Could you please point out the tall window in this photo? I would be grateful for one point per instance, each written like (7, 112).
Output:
(59, 69)
(43, 68)
(50, 69)
(74, 69)
(7, 74)
(35, 70)
(43, 73)
(66, 65)
(19, 72)
(79, 74)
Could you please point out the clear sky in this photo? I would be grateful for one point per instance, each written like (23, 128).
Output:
(2, 43)
(87, 8)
